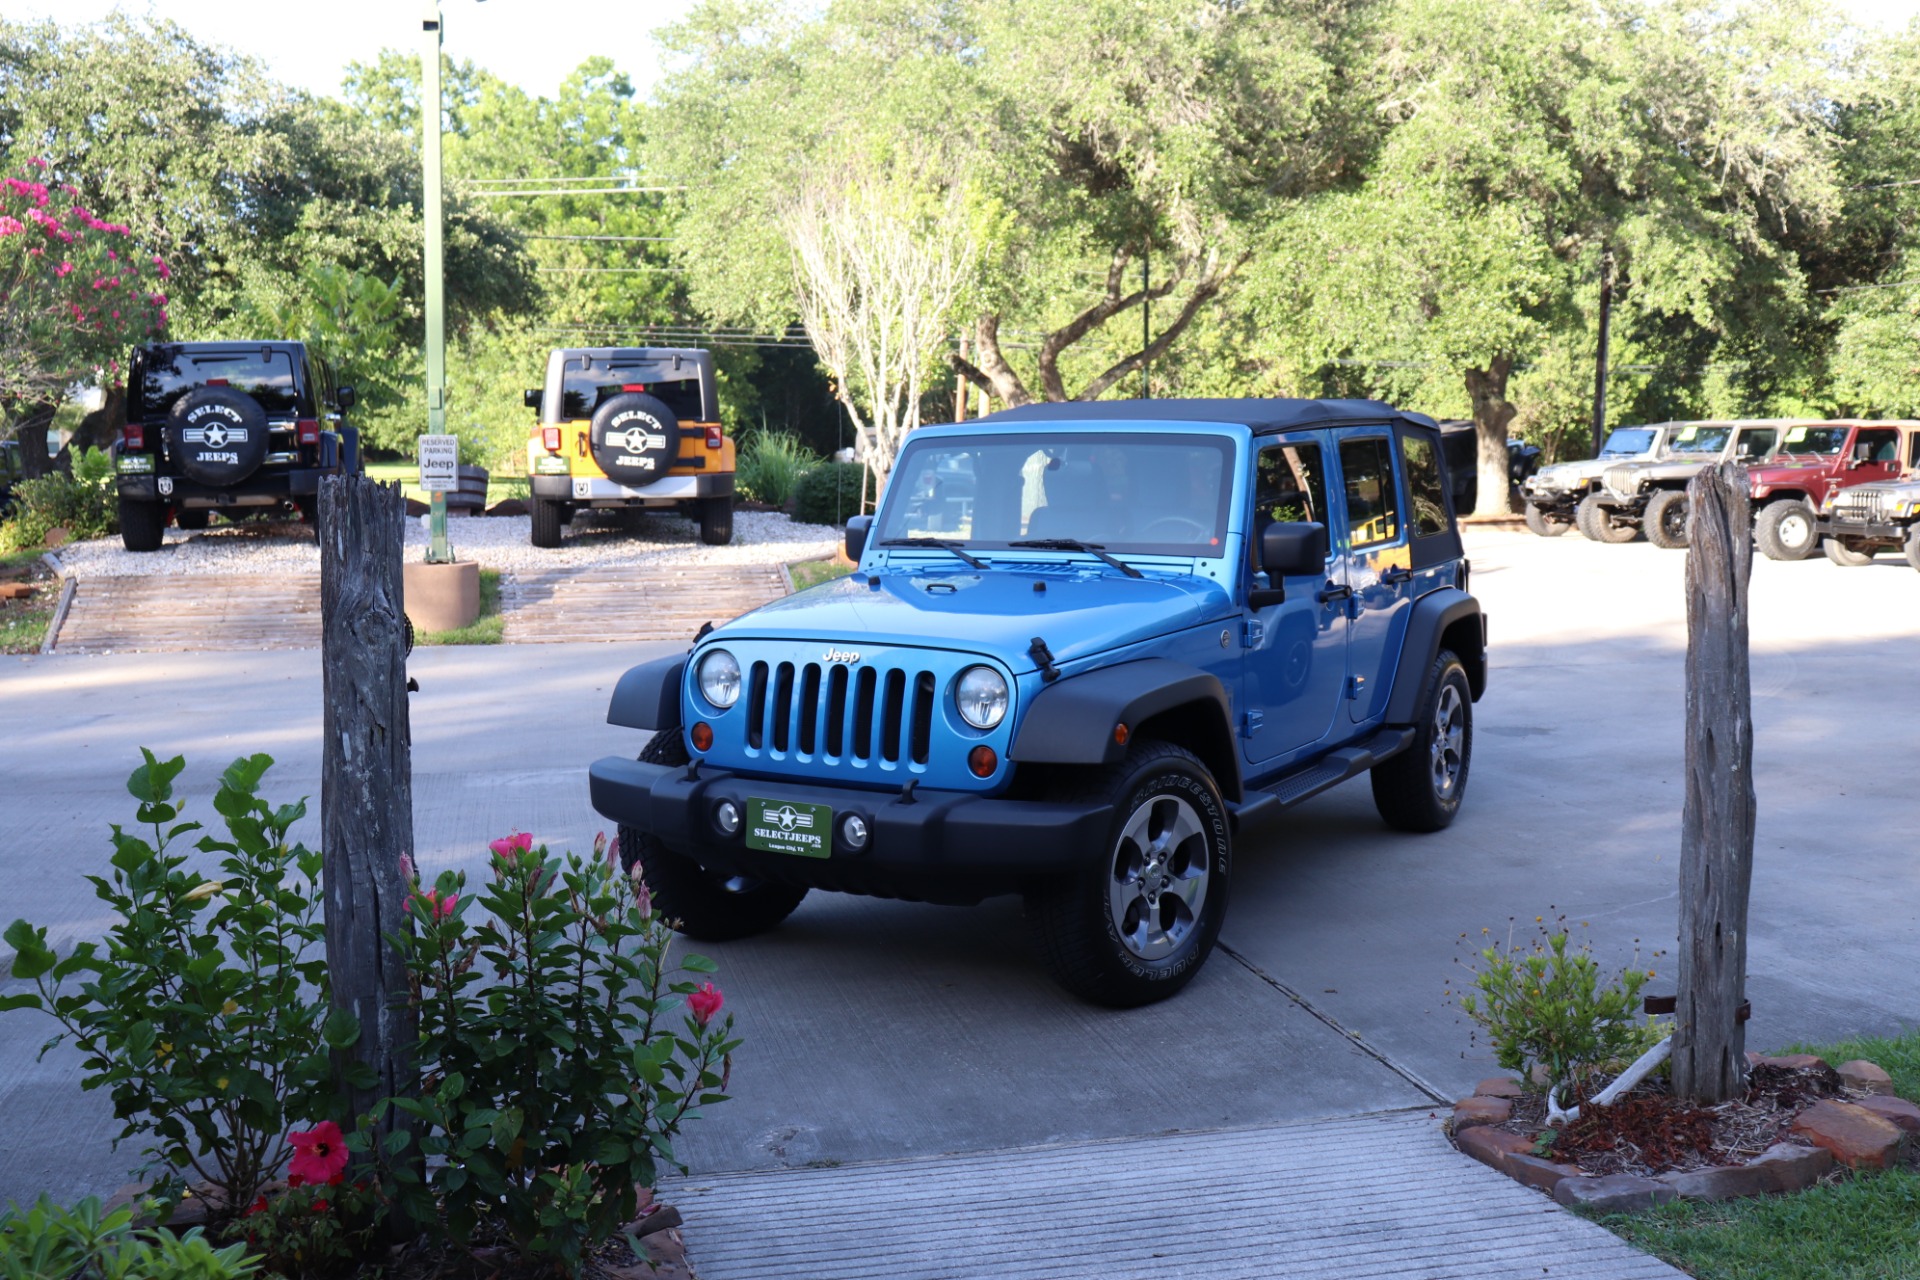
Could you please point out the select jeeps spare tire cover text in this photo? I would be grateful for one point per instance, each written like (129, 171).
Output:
(635, 438)
(217, 436)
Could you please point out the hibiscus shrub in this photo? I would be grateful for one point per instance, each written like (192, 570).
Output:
(561, 1051)
(204, 1013)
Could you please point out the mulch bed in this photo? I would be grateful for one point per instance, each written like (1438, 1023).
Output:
(1650, 1132)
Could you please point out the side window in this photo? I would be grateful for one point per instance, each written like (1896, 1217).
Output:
(1289, 485)
(1877, 446)
(1758, 442)
(1373, 507)
(1424, 490)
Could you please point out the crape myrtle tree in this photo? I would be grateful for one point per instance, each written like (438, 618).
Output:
(1100, 139)
(1528, 147)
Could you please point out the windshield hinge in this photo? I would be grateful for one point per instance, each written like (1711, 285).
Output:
(1253, 633)
(1250, 724)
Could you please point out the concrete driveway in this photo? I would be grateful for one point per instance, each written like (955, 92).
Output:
(876, 1029)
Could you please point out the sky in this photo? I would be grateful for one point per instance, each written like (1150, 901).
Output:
(531, 43)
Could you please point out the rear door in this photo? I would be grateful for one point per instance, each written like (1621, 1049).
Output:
(1379, 565)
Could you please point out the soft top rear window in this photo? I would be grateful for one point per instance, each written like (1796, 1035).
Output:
(587, 382)
(164, 374)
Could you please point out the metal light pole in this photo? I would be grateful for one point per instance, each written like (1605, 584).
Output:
(437, 551)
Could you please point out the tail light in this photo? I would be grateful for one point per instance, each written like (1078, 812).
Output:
(633, 386)
(309, 429)
(713, 436)
(550, 439)
(133, 436)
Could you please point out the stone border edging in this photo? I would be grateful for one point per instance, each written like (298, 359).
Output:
(1876, 1130)
(69, 584)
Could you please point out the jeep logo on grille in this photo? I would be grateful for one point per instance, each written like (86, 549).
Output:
(840, 655)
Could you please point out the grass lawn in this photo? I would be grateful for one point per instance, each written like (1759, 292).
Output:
(485, 629)
(1865, 1228)
(23, 623)
(811, 573)
(499, 488)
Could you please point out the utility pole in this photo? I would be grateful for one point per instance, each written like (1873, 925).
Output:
(1146, 313)
(430, 209)
(1600, 362)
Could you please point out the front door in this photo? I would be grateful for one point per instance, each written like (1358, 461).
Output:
(1296, 661)
(1379, 569)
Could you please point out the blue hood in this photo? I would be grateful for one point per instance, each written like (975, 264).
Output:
(998, 612)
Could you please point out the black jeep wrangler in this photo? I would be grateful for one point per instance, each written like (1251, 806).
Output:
(228, 427)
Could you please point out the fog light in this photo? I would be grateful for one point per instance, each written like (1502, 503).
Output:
(726, 815)
(982, 761)
(853, 832)
(703, 736)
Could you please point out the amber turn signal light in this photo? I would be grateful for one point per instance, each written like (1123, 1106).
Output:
(982, 761)
(703, 736)
(1120, 734)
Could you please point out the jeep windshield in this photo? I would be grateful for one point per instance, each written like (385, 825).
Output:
(1627, 442)
(1826, 441)
(164, 374)
(1699, 439)
(1129, 494)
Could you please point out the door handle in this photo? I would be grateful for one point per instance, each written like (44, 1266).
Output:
(1397, 575)
(1329, 593)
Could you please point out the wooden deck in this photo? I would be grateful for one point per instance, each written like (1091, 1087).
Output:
(631, 604)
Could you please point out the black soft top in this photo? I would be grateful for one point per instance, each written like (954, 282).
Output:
(1258, 415)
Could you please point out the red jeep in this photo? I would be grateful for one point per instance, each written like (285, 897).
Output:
(1816, 459)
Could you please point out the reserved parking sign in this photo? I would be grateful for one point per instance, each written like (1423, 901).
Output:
(439, 463)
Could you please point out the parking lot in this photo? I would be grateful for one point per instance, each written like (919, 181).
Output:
(875, 1029)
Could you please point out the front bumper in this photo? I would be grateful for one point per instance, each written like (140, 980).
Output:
(937, 846)
(1882, 532)
(665, 491)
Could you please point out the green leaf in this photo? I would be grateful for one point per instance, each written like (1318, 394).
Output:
(507, 1127)
(396, 1141)
(342, 1029)
(31, 955)
(26, 1001)
(698, 964)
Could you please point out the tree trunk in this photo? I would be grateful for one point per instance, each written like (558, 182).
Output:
(101, 427)
(31, 432)
(1491, 414)
(1716, 829)
(366, 780)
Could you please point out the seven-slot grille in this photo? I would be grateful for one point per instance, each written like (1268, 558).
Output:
(1624, 481)
(837, 712)
(1864, 505)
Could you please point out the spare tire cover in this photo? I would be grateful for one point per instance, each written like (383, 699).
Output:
(217, 436)
(635, 437)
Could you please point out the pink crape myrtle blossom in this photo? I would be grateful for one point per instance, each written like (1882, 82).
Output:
(705, 1002)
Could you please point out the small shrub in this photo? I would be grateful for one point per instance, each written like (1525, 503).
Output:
(205, 1011)
(771, 465)
(48, 1241)
(829, 494)
(85, 504)
(1545, 1003)
(560, 1052)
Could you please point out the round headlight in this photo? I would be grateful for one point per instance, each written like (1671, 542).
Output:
(981, 697)
(720, 679)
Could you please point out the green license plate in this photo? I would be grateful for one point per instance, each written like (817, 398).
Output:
(788, 826)
(136, 464)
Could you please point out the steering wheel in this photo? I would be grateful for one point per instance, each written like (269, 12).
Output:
(1174, 527)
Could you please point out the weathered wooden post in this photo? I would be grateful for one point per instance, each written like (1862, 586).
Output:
(1716, 827)
(366, 779)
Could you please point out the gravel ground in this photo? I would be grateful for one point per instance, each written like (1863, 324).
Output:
(497, 542)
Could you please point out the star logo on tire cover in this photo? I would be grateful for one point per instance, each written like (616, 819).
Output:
(635, 440)
(215, 436)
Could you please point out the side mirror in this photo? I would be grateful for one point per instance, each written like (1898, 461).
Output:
(531, 397)
(346, 396)
(857, 528)
(1288, 549)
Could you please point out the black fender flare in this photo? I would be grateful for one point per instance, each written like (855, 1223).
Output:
(648, 696)
(1071, 721)
(1448, 616)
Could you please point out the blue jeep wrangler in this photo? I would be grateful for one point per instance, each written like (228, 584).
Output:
(1085, 648)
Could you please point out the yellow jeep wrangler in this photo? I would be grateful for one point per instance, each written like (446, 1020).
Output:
(632, 428)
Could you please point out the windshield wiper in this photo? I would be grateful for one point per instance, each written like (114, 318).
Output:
(945, 544)
(1093, 549)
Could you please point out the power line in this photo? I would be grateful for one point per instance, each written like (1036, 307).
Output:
(615, 239)
(579, 191)
(605, 271)
(1864, 288)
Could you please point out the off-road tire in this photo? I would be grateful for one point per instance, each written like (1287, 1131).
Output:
(1421, 788)
(709, 905)
(716, 521)
(143, 525)
(1073, 917)
(1544, 525)
(1665, 522)
(617, 432)
(1911, 549)
(192, 517)
(217, 436)
(1595, 525)
(1845, 556)
(1775, 527)
(546, 523)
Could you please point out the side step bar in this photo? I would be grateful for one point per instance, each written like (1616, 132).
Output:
(1264, 803)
